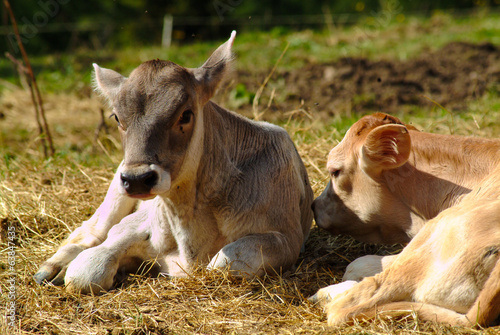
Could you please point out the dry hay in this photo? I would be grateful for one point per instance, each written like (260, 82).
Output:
(45, 200)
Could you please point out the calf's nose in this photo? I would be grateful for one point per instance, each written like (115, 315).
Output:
(139, 184)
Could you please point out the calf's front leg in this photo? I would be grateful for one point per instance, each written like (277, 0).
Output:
(94, 269)
(254, 254)
(356, 271)
(91, 233)
(327, 294)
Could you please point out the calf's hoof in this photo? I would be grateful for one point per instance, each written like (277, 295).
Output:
(53, 270)
(50, 273)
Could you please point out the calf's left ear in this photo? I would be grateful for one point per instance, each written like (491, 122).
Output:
(108, 81)
(211, 74)
(385, 147)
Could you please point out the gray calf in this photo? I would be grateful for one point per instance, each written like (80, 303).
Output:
(206, 184)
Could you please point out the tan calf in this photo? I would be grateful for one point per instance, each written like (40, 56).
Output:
(450, 271)
(209, 185)
(388, 179)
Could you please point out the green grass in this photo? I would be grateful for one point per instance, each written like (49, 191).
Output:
(399, 38)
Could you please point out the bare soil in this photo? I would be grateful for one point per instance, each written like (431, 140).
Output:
(451, 77)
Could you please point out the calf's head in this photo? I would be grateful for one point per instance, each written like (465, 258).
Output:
(357, 200)
(159, 111)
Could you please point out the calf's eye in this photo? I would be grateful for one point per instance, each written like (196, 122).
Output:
(115, 117)
(335, 173)
(186, 117)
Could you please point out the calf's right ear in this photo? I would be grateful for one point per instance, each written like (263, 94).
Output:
(385, 147)
(108, 81)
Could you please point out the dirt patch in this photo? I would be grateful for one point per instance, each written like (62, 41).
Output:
(451, 76)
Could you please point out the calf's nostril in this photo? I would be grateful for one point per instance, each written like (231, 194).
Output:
(150, 179)
(125, 181)
(139, 184)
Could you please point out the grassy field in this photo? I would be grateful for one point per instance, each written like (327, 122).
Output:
(45, 199)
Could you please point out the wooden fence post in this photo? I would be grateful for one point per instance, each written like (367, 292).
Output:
(166, 38)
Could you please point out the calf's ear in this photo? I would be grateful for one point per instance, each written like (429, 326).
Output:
(108, 82)
(211, 74)
(385, 147)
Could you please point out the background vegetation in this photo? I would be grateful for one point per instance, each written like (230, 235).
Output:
(45, 199)
(66, 25)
